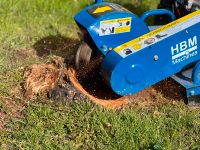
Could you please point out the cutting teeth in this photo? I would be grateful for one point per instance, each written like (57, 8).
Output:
(83, 55)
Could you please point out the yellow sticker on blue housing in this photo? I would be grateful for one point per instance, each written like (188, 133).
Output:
(115, 26)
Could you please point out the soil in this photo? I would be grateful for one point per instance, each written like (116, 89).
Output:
(56, 45)
(89, 81)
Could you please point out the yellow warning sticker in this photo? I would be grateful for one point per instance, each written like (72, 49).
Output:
(115, 26)
(123, 29)
(102, 9)
(159, 34)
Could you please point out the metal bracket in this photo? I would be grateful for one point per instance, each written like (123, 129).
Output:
(190, 80)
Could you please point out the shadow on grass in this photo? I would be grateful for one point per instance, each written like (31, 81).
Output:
(56, 45)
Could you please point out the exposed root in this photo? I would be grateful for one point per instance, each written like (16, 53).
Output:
(45, 78)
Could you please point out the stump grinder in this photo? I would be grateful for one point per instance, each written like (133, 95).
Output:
(135, 55)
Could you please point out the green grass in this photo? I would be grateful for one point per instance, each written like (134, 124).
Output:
(84, 126)
(24, 24)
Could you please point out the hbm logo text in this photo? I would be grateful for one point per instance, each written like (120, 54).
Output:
(184, 50)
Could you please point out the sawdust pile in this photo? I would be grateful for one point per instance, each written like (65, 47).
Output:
(50, 79)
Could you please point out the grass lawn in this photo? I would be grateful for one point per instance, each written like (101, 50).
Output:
(31, 31)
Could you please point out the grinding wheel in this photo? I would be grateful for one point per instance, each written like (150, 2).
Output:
(83, 55)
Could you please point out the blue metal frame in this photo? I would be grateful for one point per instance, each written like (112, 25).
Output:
(140, 70)
(103, 43)
(195, 73)
(147, 66)
(98, 1)
(189, 79)
(158, 12)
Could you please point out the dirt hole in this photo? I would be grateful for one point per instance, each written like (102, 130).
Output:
(91, 80)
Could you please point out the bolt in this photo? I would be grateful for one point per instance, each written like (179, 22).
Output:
(192, 93)
(156, 57)
(104, 48)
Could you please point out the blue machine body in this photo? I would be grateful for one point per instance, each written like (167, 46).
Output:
(92, 24)
(136, 57)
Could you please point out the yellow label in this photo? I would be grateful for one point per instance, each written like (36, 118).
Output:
(123, 29)
(118, 20)
(157, 31)
(102, 9)
(115, 26)
(137, 46)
